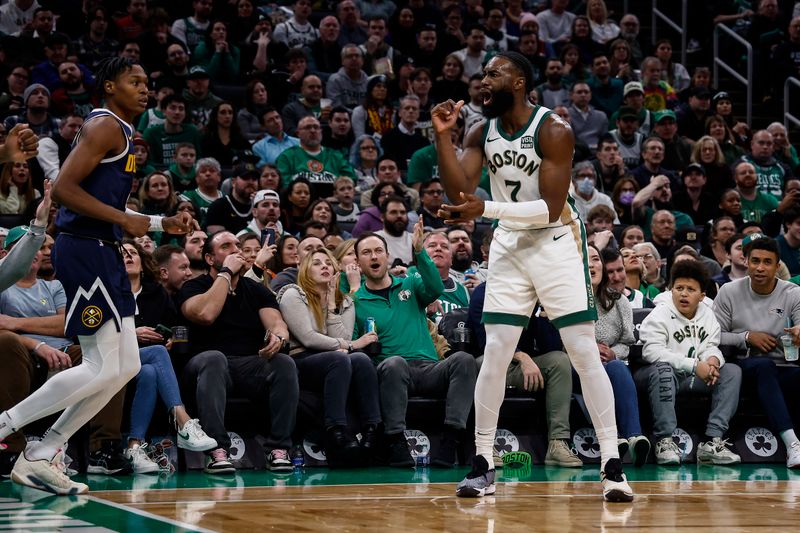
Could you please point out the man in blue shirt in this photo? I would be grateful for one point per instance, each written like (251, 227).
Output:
(275, 141)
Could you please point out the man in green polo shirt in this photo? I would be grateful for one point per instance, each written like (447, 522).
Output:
(408, 360)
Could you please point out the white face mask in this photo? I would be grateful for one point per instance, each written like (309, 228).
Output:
(586, 186)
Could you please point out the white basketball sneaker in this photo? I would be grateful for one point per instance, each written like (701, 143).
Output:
(615, 484)
(46, 475)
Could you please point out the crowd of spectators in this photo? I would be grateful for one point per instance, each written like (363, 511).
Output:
(300, 138)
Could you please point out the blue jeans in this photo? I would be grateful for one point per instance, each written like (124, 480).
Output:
(157, 377)
(626, 402)
(777, 388)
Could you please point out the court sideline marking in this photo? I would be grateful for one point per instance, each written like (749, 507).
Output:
(149, 515)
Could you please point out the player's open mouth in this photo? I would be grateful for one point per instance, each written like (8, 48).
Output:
(486, 96)
(374, 266)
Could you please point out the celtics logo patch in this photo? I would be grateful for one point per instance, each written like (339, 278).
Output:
(92, 316)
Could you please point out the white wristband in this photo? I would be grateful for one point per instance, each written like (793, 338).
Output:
(534, 212)
(156, 223)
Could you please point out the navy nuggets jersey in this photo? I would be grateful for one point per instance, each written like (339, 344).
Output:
(110, 182)
(88, 263)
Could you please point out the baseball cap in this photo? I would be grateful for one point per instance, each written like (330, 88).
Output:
(197, 72)
(658, 116)
(632, 86)
(701, 92)
(750, 238)
(266, 194)
(722, 95)
(627, 112)
(14, 234)
(696, 167)
(245, 168)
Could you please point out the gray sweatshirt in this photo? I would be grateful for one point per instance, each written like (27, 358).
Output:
(344, 91)
(738, 310)
(18, 261)
(614, 328)
(305, 334)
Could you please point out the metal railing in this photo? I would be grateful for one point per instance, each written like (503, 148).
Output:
(681, 30)
(787, 116)
(748, 81)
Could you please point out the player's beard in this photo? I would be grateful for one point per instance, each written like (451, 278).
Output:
(502, 101)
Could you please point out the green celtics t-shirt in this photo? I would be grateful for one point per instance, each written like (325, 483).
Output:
(163, 144)
(753, 210)
(321, 169)
(455, 296)
(200, 202)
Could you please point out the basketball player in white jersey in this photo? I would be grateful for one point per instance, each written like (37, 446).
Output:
(538, 253)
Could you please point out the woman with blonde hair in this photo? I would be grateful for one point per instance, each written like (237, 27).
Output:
(16, 188)
(708, 154)
(603, 29)
(321, 322)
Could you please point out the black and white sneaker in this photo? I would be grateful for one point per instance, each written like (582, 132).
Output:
(109, 460)
(218, 462)
(479, 482)
(615, 484)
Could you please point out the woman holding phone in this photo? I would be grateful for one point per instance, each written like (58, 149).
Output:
(157, 375)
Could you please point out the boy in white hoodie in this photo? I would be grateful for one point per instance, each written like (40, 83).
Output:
(681, 339)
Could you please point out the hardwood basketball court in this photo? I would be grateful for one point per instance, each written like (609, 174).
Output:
(746, 498)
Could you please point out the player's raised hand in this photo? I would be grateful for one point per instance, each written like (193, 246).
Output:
(444, 115)
(180, 223)
(43, 211)
(471, 208)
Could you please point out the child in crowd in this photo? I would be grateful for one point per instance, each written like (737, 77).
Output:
(183, 170)
(681, 343)
(344, 192)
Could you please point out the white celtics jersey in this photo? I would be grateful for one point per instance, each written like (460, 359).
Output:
(513, 162)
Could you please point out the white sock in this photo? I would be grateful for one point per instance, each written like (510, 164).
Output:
(6, 426)
(47, 448)
(579, 341)
(490, 389)
(788, 438)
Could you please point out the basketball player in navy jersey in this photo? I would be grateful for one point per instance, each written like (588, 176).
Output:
(538, 252)
(92, 188)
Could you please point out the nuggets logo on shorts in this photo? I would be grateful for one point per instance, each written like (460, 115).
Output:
(92, 316)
